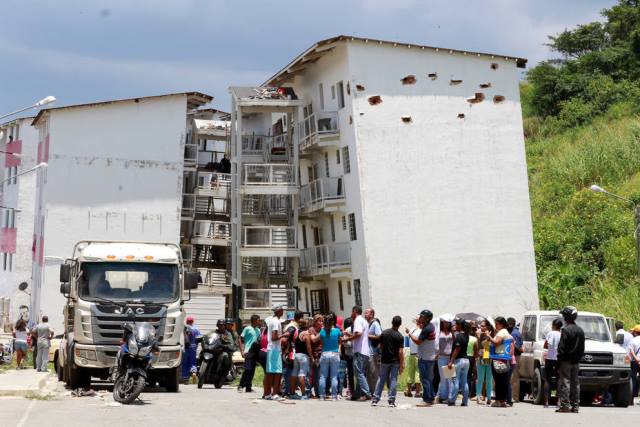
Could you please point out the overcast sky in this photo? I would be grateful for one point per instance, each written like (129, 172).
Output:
(89, 50)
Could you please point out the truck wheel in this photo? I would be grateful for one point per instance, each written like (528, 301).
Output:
(77, 377)
(57, 367)
(537, 387)
(622, 395)
(172, 382)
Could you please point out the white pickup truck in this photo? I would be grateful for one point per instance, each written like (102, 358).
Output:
(604, 366)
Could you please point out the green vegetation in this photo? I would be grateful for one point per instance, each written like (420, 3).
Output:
(582, 127)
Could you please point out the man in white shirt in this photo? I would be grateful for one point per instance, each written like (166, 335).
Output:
(361, 353)
(623, 338)
(274, 357)
(634, 353)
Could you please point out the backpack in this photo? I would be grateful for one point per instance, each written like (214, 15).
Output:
(264, 340)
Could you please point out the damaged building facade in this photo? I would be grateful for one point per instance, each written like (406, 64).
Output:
(412, 181)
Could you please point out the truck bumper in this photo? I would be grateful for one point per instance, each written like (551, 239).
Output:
(601, 377)
(104, 356)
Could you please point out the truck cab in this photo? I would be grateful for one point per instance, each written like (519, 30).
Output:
(604, 366)
(109, 283)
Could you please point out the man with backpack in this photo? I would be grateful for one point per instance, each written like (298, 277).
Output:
(288, 351)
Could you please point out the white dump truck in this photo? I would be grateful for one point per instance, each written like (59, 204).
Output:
(109, 283)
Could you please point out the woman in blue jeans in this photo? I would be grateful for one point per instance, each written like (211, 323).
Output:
(330, 359)
(445, 343)
(461, 362)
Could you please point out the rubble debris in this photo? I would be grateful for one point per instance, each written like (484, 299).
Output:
(409, 80)
(406, 119)
(432, 76)
(375, 100)
(476, 99)
(494, 65)
(485, 85)
(360, 88)
(461, 115)
(498, 99)
(455, 82)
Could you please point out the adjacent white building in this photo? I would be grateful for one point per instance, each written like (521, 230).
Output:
(413, 180)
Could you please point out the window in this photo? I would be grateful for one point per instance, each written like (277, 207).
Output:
(321, 90)
(529, 328)
(338, 157)
(345, 160)
(333, 230)
(352, 227)
(340, 295)
(344, 222)
(333, 92)
(357, 291)
(309, 173)
(304, 236)
(326, 164)
(340, 93)
(348, 287)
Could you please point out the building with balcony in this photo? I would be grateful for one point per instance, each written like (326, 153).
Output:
(412, 177)
(265, 193)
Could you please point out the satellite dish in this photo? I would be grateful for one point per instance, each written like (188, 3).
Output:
(23, 286)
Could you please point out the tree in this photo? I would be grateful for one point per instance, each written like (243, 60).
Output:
(575, 43)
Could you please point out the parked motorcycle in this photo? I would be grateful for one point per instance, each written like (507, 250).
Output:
(214, 361)
(133, 361)
(6, 352)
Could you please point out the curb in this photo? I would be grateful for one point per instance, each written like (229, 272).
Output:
(42, 382)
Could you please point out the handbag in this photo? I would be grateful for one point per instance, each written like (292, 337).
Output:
(501, 367)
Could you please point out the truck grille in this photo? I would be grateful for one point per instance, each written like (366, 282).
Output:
(107, 326)
(597, 359)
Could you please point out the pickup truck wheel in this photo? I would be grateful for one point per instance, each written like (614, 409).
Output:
(537, 387)
(622, 395)
(172, 382)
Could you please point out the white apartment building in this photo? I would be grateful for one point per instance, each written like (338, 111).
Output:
(115, 172)
(413, 188)
(18, 153)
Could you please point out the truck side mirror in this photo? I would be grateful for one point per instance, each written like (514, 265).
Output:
(191, 280)
(65, 289)
(65, 273)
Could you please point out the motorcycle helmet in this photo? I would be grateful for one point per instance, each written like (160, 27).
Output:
(220, 322)
(569, 313)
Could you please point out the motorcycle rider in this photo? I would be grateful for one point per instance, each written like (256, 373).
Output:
(230, 327)
(570, 350)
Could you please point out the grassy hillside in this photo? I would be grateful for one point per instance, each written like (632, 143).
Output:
(585, 250)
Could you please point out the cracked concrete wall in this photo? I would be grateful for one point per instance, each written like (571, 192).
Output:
(115, 172)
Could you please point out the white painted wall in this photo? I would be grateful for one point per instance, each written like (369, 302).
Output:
(444, 201)
(115, 172)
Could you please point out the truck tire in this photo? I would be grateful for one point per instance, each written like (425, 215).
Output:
(537, 387)
(172, 381)
(57, 367)
(621, 394)
(78, 377)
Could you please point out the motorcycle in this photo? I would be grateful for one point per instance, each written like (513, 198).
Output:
(214, 361)
(133, 361)
(6, 352)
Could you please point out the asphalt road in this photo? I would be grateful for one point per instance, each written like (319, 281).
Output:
(229, 408)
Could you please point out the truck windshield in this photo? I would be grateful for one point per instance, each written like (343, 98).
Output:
(594, 327)
(123, 281)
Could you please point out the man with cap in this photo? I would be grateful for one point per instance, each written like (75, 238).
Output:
(191, 335)
(570, 351)
(274, 355)
(249, 348)
(634, 353)
(426, 342)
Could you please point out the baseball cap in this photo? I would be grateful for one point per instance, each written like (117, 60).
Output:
(190, 319)
(277, 307)
(636, 329)
(426, 313)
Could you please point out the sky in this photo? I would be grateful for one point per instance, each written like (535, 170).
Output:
(91, 50)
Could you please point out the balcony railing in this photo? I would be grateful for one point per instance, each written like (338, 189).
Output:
(321, 190)
(267, 236)
(213, 184)
(191, 153)
(269, 174)
(324, 259)
(258, 299)
(214, 276)
(188, 205)
(210, 231)
(317, 125)
(254, 145)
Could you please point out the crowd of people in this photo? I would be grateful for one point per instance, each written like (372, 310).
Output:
(331, 358)
(36, 340)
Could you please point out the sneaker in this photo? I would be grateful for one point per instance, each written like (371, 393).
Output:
(563, 409)
(267, 397)
(408, 394)
(392, 404)
(334, 399)
(249, 390)
(575, 410)
(424, 405)
(279, 398)
(374, 403)
(419, 395)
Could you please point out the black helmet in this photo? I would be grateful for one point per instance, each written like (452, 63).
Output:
(220, 322)
(229, 321)
(569, 313)
(427, 314)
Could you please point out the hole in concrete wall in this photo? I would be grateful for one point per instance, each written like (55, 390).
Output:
(350, 120)
(360, 88)
(432, 76)
(348, 89)
(476, 99)
(454, 82)
(409, 80)
(494, 65)
(406, 119)
(375, 100)
(498, 99)
(461, 115)
(485, 85)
